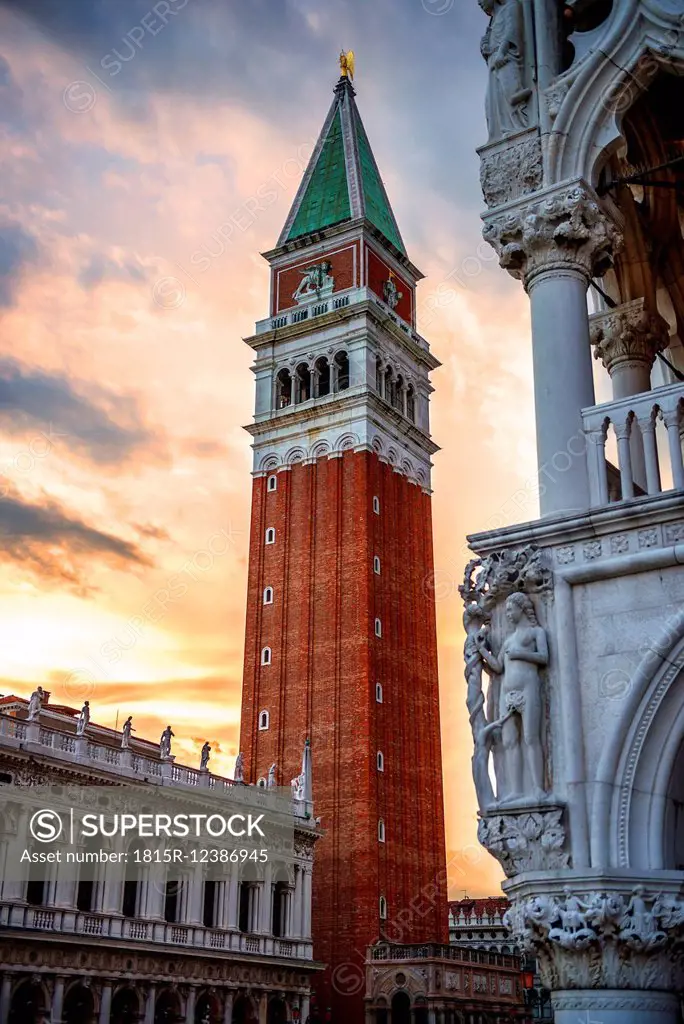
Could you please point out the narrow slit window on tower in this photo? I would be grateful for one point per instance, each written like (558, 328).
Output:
(272, 483)
(411, 403)
(376, 505)
(383, 908)
(264, 721)
(381, 761)
(268, 595)
(381, 831)
(376, 565)
(378, 692)
(266, 656)
(378, 627)
(270, 535)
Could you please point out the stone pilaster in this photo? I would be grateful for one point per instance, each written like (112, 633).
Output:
(627, 340)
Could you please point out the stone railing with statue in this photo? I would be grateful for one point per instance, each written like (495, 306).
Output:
(506, 597)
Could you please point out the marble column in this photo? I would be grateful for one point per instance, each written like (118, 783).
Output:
(105, 1002)
(304, 1006)
(190, 1005)
(150, 1004)
(555, 244)
(57, 1001)
(5, 997)
(263, 1008)
(627, 340)
(266, 923)
(228, 1008)
(306, 901)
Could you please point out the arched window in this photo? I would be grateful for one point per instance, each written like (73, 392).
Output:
(261, 783)
(376, 565)
(390, 385)
(264, 721)
(378, 376)
(270, 535)
(383, 908)
(398, 394)
(378, 627)
(266, 656)
(342, 363)
(268, 595)
(411, 403)
(381, 831)
(302, 383)
(376, 505)
(283, 389)
(321, 378)
(378, 692)
(381, 761)
(272, 483)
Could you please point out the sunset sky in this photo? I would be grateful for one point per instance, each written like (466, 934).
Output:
(131, 143)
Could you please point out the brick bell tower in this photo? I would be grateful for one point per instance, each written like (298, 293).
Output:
(340, 639)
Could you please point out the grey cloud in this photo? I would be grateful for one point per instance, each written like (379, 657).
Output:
(54, 543)
(107, 428)
(17, 248)
(104, 268)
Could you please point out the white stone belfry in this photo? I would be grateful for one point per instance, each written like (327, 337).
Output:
(574, 653)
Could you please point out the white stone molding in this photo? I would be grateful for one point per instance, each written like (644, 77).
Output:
(562, 229)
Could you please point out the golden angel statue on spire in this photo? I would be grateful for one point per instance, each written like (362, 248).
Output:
(347, 64)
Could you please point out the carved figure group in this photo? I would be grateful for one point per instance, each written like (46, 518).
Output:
(509, 729)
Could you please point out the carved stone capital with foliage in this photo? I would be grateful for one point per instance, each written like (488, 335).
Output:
(603, 939)
(563, 230)
(628, 335)
(526, 840)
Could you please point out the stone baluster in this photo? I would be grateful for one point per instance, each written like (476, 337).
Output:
(652, 466)
(598, 470)
(556, 245)
(623, 432)
(672, 422)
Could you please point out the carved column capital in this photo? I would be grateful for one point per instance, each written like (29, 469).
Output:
(629, 335)
(566, 229)
(603, 939)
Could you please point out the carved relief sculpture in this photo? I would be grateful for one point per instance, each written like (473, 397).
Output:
(316, 282)
(519, 711)
(503, 48)
(510, 729)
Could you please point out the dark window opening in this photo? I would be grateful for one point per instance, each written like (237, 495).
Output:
(243, 919)
(342, 360)
(283, 389)
(171, 892)
(323, 377)
(209, 916)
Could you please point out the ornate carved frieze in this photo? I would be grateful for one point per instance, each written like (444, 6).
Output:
(507, 727)
(603, 939)
(533, 840)
(565, 229)
(628, 335)
(510, 171)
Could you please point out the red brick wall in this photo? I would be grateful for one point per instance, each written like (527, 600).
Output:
(345, 270)
(378, 272)
(326, 662)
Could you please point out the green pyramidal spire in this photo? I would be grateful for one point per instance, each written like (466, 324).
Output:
(342, 181)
